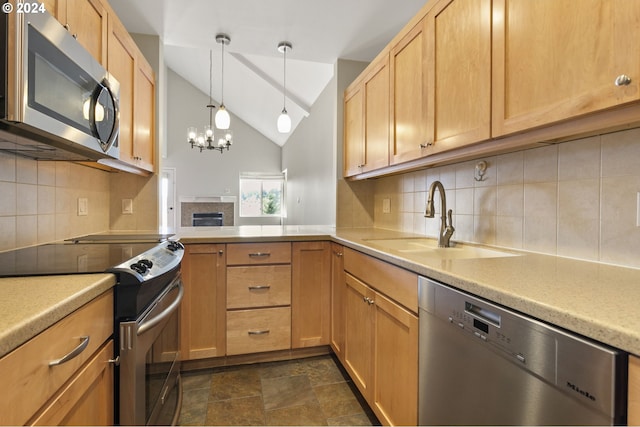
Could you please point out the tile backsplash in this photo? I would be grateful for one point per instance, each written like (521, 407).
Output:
(39, 201)
(576, 199)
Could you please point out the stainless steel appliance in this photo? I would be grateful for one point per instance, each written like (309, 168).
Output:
(483, 364)
(147, 299)
(56, 101)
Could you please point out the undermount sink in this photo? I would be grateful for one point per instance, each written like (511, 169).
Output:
(429, 248)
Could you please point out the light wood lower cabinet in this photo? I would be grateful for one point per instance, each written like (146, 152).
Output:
(337, 300)
(258, 330)
(381, 340)
(203, 312)
(310, 294)
(76, 391)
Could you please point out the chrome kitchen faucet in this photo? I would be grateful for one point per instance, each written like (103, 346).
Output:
(446, 231)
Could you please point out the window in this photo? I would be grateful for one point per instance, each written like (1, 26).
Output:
(261, 195)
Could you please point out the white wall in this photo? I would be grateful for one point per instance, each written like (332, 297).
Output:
(314, 150)
(210, 173)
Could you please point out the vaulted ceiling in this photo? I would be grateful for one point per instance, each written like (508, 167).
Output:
(320, 31)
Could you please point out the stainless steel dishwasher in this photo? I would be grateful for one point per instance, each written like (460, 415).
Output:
(482, 364)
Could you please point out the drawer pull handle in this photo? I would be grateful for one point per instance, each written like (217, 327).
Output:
(259, 254)
(259, 287)
(73, 353)
(260, 332)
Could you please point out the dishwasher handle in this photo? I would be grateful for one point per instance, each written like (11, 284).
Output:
(483, 313)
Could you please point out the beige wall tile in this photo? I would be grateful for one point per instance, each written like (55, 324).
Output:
(8, 232)
(620, 153)
(579, 199)
(510, 168)
(47, 173)
(7, 167)
(541, 199)
(540, 234)
(26, 171)
(464, 201)
(541, 164)
(509, 231)
(579, 159)
(578, 237)
(27, 199)
(510, 200)
(485, 201)
(620, 236)
(464, 174)
(8, 198)
(26, 230)
(484, 229)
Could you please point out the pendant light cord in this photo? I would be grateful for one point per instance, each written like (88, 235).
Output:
(222, 80)
(284, 81)
(210, 87)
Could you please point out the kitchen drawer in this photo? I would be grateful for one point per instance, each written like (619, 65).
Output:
(258, 253)
(258, 286)
(263, 329)
(28, 380)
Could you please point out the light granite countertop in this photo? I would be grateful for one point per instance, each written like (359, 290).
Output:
(29, 305)
(592, 299)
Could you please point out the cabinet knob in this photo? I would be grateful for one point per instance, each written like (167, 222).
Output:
(623, 80)
(428, 144)
(220, 252)
(362, 165)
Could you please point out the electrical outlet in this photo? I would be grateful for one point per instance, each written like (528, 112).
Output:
(127, 206)
(83, 206)
(386, 206)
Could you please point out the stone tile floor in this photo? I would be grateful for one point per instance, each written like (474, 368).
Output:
(313, 391)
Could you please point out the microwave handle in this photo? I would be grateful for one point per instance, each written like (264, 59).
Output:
(102, 87)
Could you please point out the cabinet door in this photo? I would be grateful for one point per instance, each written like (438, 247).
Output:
(122, 64)
(459, 71)
(144, 116)
(310, 294)
(558, 59)
(337, 300)
(409, 93)
(88, 398)
(353, 131)
(203, 312)
(358, 338)
(396, 345)
(376, 117)
(87, 21)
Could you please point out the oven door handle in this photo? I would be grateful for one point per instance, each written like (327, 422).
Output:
(149, 324)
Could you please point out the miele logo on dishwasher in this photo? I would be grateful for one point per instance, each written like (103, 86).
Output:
(581, 391)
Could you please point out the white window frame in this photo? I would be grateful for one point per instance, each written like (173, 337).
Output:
(263, 177)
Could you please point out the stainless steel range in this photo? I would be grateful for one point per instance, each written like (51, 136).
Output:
(147, 299)
(148, 294)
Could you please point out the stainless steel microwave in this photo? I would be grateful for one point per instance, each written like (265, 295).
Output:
(56, 101)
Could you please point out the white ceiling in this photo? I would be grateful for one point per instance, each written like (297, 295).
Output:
(321, 31)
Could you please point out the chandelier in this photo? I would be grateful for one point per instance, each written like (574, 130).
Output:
(207, 138)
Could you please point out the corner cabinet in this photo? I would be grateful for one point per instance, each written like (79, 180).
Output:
(137, 98)
(380, 332)
(337, 300)
(366, 116)
(556, 59)
(310, 294)
(203, 311)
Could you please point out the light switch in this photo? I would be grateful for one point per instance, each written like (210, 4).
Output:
(127, 206)
(83, 206)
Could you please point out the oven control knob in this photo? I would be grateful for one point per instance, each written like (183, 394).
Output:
(139, 268)
(147, 263)
(174, 246)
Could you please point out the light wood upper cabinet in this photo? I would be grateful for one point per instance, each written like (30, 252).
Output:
(137, 98)
(408, 96)
(353, 131)
(367, 120)
(459, 73)
(203, 311)
(86, 20)
(558, 59)
(376, 116)
(310, 294)
(633, 409)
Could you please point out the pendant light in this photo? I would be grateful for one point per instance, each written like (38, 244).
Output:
(284, 121)
(223, 120)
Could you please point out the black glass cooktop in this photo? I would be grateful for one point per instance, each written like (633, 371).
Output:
(68, 258)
